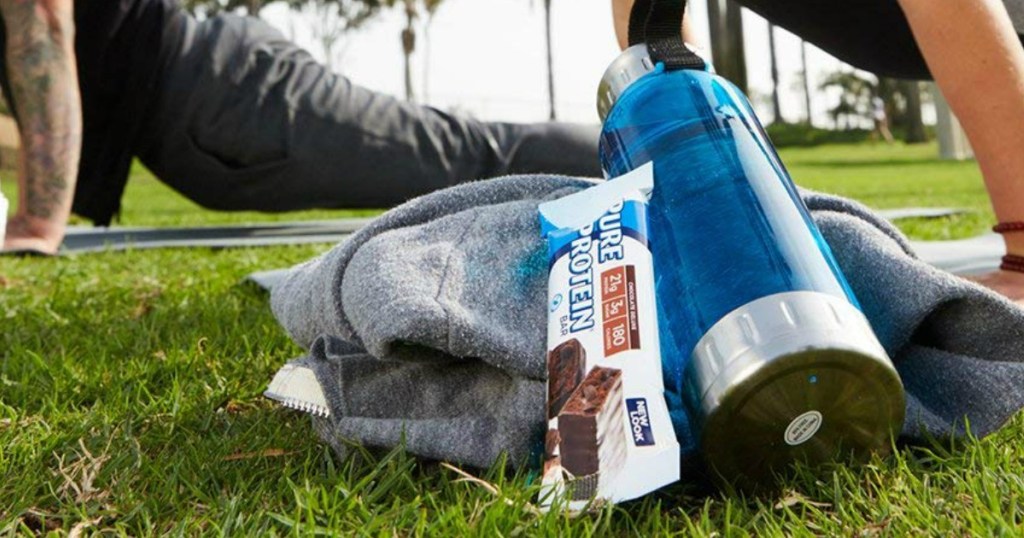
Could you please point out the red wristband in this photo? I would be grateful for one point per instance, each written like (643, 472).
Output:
(1013, 262)
(1009, 227)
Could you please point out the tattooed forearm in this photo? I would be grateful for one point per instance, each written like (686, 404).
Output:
(44, 84)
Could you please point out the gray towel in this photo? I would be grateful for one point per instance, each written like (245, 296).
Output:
(428, 326)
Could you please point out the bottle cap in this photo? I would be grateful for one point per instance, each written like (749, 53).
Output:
(792, 376)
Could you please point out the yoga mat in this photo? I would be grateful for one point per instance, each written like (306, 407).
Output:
(963, 257)
(920, 212)
(83, 240)
(87, 239)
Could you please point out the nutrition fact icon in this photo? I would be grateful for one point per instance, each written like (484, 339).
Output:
(621, 324)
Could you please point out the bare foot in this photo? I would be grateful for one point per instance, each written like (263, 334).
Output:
(1010, 284)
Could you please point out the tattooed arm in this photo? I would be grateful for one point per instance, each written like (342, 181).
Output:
(44, 82)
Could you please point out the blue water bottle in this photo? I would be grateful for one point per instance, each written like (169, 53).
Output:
(767, 356)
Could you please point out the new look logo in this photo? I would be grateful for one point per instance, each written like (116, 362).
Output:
(639, 422)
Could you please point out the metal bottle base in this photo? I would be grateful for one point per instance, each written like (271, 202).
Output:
(793, 376)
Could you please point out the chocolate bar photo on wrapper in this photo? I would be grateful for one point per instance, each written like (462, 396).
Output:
(567, 364)
(593, 434)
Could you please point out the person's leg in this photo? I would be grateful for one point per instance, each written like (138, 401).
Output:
(972, 50)
(248, 120)
(883, 128)
(979, 66)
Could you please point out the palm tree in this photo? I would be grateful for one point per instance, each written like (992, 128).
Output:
(725, 19)
(856, 92)
(916, 134)
(351, 12)
(411, 9)
(431, 8)
(550, 60)
(776, 109)
(330, 20)
(409, 45)
(552, 115)
(252, 7)
(807, 83)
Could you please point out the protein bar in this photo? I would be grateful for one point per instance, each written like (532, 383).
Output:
(609, 435)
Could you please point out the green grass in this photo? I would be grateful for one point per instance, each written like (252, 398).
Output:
(130, 402)
(884, 176)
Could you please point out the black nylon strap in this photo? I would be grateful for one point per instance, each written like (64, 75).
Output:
(658, 23)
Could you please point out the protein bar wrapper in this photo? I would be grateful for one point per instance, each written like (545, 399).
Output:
(609, 436)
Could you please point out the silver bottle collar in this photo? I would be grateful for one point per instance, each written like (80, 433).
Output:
(632, 64)
(627, 68)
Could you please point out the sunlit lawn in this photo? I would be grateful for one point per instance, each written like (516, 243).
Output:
(130, 401)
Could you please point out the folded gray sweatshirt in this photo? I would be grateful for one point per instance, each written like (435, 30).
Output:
(428, 327)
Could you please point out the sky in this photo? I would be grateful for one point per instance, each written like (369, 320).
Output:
(487, 58)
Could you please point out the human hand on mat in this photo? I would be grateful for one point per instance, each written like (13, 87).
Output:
(1007, 283)
(28, 234)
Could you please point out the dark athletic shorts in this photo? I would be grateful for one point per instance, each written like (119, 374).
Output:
(870, 34)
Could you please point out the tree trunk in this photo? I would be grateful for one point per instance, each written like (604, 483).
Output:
(551, 65)
(776, 108)
(426, 57)
(725, 19)
(915, 125)
(953, 143)
(408, 47)
(807, 83)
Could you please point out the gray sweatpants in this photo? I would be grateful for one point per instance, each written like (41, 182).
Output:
(245, 119)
